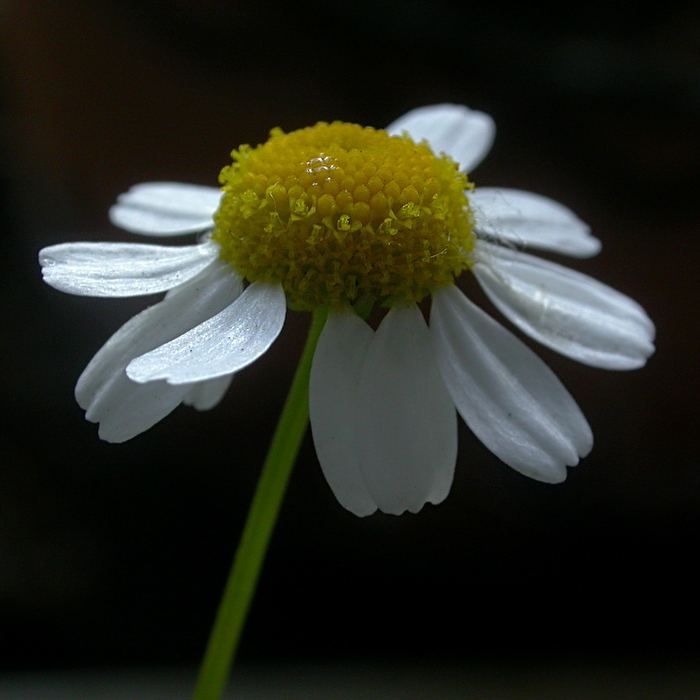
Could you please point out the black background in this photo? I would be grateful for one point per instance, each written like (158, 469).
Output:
(115, 555)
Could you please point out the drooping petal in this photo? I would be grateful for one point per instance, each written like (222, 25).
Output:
(222, 344)
(333, 385)
(565, 310)
(166, 209)
(205, 395)
(509, 398)
(124, 408)
(530, 219)
(406, 422)
(134, 408)
(122, 269)
(463, 134)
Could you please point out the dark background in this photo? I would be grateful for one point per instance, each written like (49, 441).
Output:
(115, 555)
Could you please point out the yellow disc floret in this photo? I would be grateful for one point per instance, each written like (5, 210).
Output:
(337, 212)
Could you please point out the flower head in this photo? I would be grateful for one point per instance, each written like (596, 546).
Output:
(346, 217)
(337, 212)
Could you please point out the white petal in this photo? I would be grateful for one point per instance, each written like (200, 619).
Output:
(221, 345)
(565, 310)
(122, 269)
(134, 408)
(205, 395)
(335, 377)
(532, 220)
(463, 134)
(125, 408)
(166, 209)
(406, 422)
(511, 400)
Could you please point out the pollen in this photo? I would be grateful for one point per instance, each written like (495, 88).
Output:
(337, 212)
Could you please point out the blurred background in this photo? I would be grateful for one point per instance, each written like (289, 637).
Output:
(114, 556)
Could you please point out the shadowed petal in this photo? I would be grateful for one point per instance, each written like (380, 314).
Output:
(134, 408)
(122, 269)
(509, 398)
(463, 134)
(565, 310)
(221, 345)
(166, 209)
(333, 385)
(406, 422)
(530, 219)
(205, 395)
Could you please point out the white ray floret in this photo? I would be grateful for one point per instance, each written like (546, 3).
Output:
(509, 398)
(203, 396)
(122, 269)
(222, 344)
(333, 386)
(528, 219)
(405, 418)
(166, 209)
(463, 134)
(565, 310)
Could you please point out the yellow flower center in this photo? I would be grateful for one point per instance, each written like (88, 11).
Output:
(336, 213)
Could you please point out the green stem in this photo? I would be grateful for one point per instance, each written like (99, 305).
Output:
(257, 531)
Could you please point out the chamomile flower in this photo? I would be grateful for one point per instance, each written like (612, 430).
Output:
(350, 218)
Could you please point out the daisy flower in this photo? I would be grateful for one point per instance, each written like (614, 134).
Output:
(346, 218)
